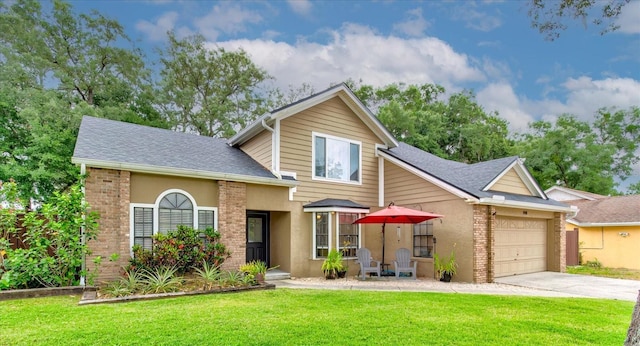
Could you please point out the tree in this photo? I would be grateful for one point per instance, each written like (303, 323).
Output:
(549, 17)
(580, 155)
(212, 92)
(634, 189)
(55, 67)
(78, 50)
(457, 128)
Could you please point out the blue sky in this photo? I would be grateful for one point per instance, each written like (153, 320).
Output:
(487, 46)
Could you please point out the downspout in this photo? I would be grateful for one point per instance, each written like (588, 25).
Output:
(273, 149)
(83, 283)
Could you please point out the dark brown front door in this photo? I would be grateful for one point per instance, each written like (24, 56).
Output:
(573, 248)
(257, 236)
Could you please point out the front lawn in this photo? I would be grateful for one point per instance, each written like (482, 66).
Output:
(617, 273)
(312, 317)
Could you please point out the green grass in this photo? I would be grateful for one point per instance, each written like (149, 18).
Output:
(313, 317)
(617, 273)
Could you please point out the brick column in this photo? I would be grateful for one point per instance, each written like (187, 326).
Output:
(232, 220)
(559, 262)
(483, 246)
(108, 192)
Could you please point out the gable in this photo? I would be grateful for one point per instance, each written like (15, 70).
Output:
(512, 183)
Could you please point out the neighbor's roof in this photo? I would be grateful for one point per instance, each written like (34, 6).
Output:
(622, 210)
(568, 194)
(104, 143)
(471, 179)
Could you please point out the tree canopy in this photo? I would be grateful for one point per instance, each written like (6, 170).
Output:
(550, 17)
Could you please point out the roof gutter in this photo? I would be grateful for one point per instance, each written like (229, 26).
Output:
(498, 200)
(274, 151)
(604, 224)
(191, 173)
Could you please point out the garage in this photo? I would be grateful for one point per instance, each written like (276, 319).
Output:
(520, 246)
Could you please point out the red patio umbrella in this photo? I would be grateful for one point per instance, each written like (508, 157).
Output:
(395, 214)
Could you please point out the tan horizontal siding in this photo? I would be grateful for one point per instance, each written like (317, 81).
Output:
(405, 188)
(259, 148)
(334, 118)
(511, 182)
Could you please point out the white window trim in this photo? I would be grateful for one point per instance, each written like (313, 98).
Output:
(337, 229)
(156, 214)
(313, 158)
(333, 231)
(132, 233)
(315, 225)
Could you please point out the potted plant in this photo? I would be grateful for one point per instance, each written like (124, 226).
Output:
(332, 264)
(445, 267)
(257, 269)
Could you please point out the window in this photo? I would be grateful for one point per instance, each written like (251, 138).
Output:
(348, 234)
(423, 239)
(175, 209)
(172, 208)
(340, 224)
(336, 159)
(322, 234)
(142, 226)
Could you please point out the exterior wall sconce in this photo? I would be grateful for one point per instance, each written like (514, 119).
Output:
(624, 234)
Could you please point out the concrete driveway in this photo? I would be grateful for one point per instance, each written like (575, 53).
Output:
(580, 285)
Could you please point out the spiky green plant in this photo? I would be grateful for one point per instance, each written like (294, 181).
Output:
(209, 275)
(161, 280)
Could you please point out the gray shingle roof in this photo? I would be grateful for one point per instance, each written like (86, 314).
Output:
(470, 178)
(117, 143)
(618, 209)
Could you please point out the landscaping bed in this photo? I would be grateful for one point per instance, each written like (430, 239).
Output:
(93, 297)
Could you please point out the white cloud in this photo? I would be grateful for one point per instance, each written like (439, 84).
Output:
(301, 7)
(227, 18)
(358, 52)
(414, 26)
(501, 97)
(629, 19)
(158, 31)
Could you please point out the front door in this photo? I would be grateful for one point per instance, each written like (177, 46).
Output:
(257, 236)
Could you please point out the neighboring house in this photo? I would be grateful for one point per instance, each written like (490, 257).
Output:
(608, 228)
(287, 188)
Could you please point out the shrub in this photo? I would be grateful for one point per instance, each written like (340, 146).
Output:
(594, 264)
(52, 248)
(183, 249)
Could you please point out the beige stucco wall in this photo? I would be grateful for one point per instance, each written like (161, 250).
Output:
(145, 188)
(609, 247)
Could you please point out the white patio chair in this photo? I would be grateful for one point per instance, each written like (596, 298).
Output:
(403, 263)
(365, 260)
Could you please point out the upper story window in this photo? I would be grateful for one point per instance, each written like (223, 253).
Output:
(336, 158)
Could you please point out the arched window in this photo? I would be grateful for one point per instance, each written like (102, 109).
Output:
(174, 209)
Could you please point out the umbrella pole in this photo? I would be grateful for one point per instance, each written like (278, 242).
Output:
(383, 245)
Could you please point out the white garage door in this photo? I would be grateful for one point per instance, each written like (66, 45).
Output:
(521, 246)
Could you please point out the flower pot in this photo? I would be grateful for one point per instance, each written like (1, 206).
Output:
(260, 278)
(342, 274)
(446, 277)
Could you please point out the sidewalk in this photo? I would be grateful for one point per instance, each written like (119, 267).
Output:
(419, 285)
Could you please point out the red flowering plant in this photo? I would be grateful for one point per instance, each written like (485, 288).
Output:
(184, 249)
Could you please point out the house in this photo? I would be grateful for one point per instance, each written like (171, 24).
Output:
(606, 228)
(287, 188)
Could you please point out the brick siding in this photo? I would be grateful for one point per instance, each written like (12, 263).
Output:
(559, 262)
(483, 243)
(108, 192)
(232, 221)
